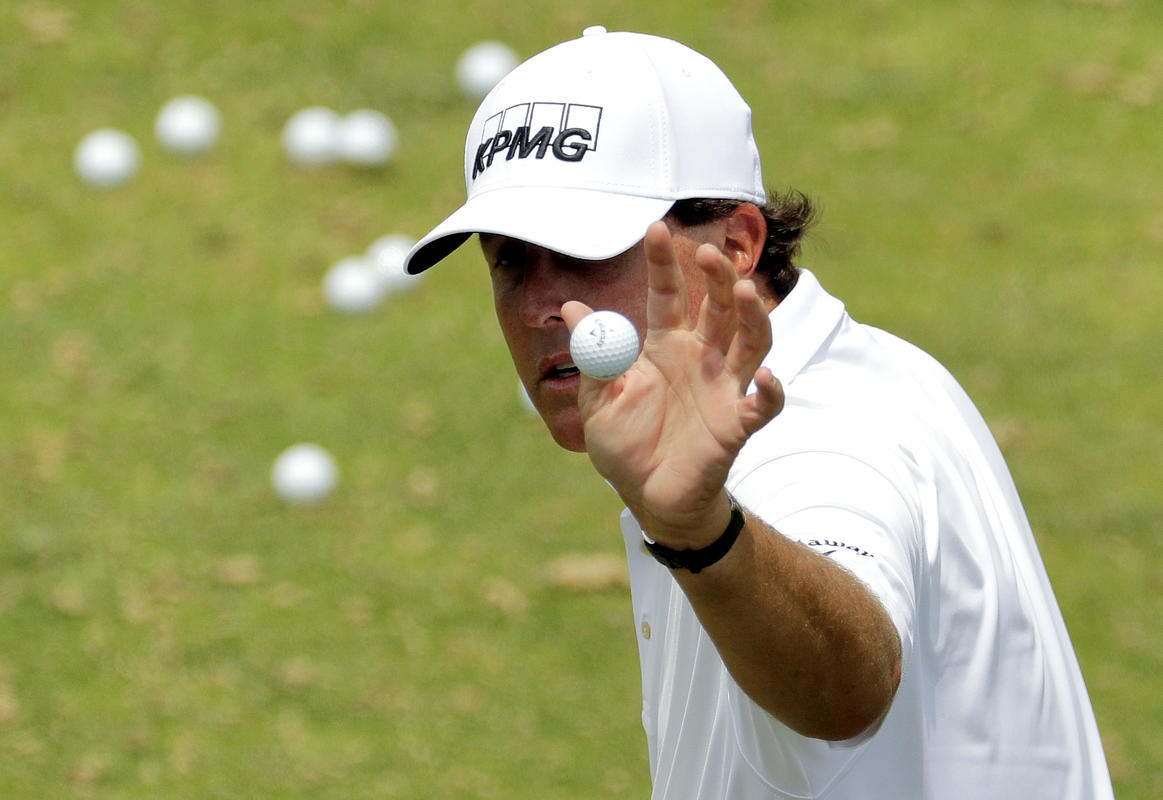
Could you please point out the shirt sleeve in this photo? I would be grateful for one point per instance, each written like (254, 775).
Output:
(866, 517)
(859, 515)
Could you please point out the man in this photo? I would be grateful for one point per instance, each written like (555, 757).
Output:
(836, 589)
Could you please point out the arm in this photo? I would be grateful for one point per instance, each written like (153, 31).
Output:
(799, 634)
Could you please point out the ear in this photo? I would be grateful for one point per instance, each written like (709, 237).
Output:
(745, 233)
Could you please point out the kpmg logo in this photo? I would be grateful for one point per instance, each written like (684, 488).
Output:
(567, 130)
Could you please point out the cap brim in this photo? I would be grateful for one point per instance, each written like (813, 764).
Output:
(579, 223)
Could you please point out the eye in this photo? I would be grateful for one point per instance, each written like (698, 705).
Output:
(507, 256)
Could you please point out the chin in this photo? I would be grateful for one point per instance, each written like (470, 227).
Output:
(576, 444)
(566, 429)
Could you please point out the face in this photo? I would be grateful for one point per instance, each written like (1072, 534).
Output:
(530, 284)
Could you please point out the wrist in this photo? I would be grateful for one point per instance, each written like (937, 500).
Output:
(695, 559)
(691, 530)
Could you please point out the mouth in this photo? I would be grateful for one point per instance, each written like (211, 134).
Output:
(559, 373)
(566, 370)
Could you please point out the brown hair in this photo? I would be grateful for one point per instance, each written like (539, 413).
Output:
(788, 218)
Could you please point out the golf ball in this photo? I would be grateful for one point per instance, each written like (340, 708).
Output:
(366, 138)
(352, 286)
(482, 66)
(311, 136)
(525, 400)
(188, 125)
(386, 255)
(604, 345)
(107, 157)
(304, 473)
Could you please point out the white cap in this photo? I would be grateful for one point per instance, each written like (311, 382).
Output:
(581, 147)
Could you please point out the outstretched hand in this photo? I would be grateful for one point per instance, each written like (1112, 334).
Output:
(666, 432)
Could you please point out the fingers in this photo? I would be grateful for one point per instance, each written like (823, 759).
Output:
(717, 314)
(666, 298)
(752, 339)
(732, 317)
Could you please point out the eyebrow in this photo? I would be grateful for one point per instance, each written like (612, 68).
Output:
(493, 240)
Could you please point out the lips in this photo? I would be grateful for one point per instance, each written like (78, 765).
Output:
(558, 372)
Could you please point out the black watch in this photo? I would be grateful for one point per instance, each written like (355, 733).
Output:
(703, 557)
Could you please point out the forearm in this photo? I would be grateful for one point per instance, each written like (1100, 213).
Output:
(801, 636)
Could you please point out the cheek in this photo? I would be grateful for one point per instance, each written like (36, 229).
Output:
(501, 297)
(623, 291)
(518, 339)
(696, 289)
(512, 331)
(507, 308)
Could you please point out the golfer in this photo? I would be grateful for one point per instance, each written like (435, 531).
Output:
(835, 588)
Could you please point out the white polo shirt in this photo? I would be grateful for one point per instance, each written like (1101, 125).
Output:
(880, 461)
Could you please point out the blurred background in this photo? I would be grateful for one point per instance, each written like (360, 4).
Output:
(451, 619)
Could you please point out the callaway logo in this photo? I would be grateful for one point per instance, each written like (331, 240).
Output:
(568, 130)
(598, 333)
(834, 545)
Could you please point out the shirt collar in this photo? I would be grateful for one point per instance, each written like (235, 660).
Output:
(800, 325)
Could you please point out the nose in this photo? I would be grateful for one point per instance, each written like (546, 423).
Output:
(542, 291)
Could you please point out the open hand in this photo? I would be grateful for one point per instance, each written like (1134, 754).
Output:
(666, 432)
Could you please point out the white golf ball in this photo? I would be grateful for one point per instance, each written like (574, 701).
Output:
(107, 157)
(311, 136)
(386, 256)
(366, 138)
(352, 286)
(482, 66)
(604, 345)
(304, 473)
(525, 400)
(188, 125)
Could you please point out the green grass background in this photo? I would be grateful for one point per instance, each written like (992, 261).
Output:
(990, 185)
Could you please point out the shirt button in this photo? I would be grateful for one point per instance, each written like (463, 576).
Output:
(645, 627)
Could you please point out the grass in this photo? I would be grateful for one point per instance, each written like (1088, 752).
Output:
(987, 175)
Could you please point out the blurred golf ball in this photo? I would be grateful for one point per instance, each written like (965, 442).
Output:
(526, 400)
(386, 256)
(482, 66)
(604, 345)
(366, 138)
(106, 157)
(311, 136)
(188, 125)
(304, 473)
(352, 286)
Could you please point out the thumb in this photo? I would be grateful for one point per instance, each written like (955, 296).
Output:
(760, 408)
(574, 312)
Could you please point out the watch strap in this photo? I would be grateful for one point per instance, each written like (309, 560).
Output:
(697, 560)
